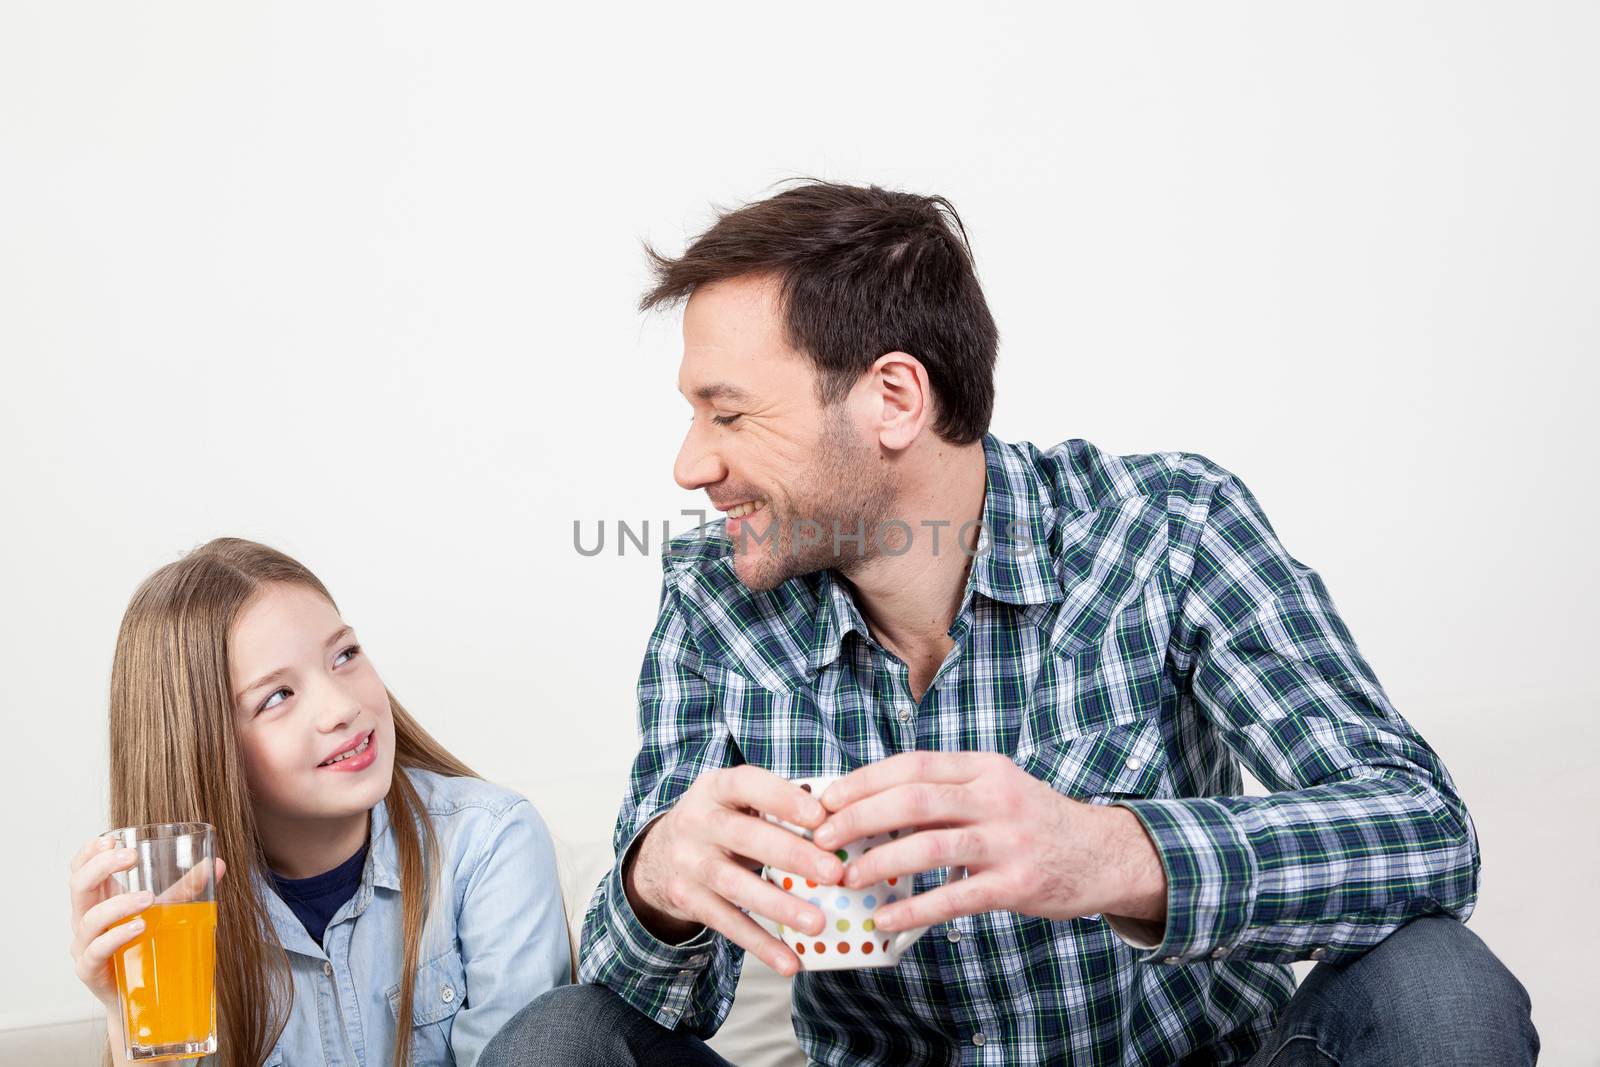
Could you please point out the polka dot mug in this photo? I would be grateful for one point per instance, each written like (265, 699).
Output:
(849, 937)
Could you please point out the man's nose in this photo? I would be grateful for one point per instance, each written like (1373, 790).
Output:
(697, 466)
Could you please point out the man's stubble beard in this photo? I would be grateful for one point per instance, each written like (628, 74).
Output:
(848, 489)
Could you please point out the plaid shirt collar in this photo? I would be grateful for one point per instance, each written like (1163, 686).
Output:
(1013, 563)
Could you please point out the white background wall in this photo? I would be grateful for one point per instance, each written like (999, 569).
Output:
(357, 280)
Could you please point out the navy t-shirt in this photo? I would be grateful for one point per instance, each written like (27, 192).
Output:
(314, 900)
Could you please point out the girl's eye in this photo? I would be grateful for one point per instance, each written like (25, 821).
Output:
(353, 651)
(725, 420)
(269, 703)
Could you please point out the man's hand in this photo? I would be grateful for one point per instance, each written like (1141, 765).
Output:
(700, 863)
(1026, 848)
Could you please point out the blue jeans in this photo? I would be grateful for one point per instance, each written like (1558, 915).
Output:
(1430, 995)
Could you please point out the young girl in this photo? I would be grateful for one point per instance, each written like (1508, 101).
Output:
(377, 903)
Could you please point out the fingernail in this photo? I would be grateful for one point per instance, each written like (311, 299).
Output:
(137, 924)
(887, 921)
(143, 897)
(813, 810)
(826, 833)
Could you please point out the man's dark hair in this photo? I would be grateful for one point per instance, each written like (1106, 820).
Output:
(862, 271)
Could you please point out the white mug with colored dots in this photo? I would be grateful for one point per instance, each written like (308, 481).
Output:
(848, 938)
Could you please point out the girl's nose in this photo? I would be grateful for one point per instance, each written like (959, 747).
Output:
(338, 715)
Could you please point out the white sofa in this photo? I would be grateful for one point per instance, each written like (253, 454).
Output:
(757, 1033)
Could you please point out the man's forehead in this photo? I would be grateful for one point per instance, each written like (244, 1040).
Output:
(734, 349)
(734, 315)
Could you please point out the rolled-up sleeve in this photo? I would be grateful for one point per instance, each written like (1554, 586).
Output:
(1363, 829)
(689, 985)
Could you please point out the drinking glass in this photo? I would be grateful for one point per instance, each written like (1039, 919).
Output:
(165, 976)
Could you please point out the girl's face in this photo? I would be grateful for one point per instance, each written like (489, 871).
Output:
(304, 692)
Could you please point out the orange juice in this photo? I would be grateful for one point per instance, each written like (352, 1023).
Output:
(165, 976)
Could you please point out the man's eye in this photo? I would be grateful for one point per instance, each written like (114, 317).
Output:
(725, 420)
(269, 703)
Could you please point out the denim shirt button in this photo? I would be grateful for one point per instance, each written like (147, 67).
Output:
(447, 994)
(327, 968)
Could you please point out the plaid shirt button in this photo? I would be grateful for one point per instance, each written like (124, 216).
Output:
(905, 716)
(1318, 953)
(978, 1039)
(1173, 960)
(1219, 952)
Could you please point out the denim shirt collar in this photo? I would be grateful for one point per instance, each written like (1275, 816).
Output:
(382, 864)
(381, 871)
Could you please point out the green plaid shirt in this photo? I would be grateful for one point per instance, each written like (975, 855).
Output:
(1131, 629)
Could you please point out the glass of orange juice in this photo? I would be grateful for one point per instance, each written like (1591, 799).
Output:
(165, 975)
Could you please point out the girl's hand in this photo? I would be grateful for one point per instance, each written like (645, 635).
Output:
(97, 909)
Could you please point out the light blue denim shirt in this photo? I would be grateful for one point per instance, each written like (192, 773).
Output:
(497, 938)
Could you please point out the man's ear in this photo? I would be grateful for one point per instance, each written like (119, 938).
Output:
(901, 399)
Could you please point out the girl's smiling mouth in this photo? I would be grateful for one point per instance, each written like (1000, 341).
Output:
(354, 758)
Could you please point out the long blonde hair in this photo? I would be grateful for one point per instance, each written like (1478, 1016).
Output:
(174, 758)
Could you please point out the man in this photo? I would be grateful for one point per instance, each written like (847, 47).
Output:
(1039, 667)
